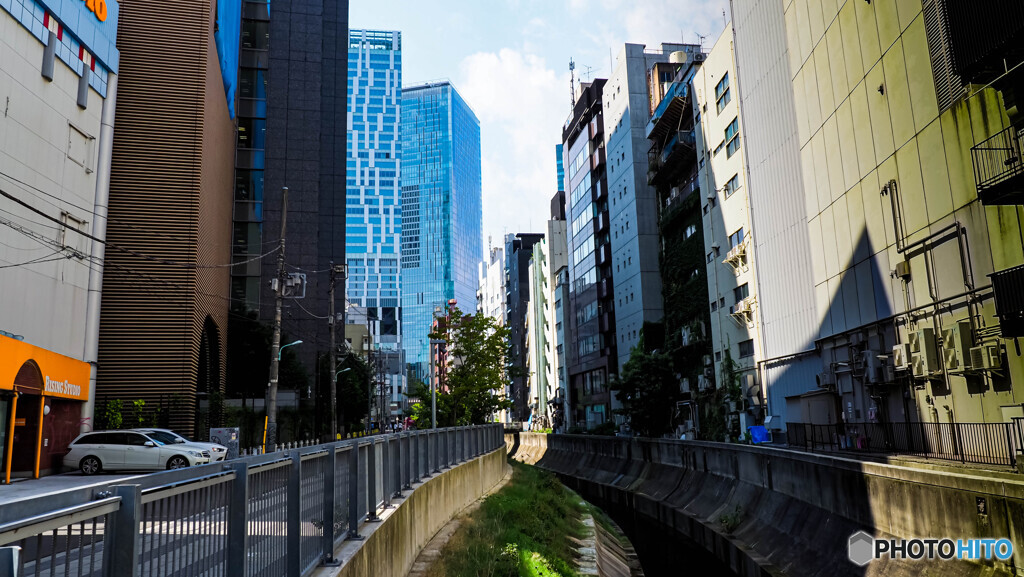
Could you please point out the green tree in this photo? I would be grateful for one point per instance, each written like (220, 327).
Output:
(476, 348)
(648, 389)
(352, 391)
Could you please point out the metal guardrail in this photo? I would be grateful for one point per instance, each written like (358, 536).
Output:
(982, 443)
(274, 515)
(996, 160)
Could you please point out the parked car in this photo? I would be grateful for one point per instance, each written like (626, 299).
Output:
(129, 451)
(217, 452)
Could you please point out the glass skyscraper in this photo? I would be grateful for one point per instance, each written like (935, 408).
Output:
(442, 215)
(373, 213)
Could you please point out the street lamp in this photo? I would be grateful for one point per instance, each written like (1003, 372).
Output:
(270, 422)
(342, 371)
(283, 347)
(433, 383)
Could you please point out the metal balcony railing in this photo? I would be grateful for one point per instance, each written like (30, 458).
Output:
(984, 443)
(279, 514)
(999, 167)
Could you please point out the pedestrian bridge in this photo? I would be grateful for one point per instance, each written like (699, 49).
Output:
(753, 510)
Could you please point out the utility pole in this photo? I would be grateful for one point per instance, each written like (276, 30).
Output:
(334, 362)
(275, 345)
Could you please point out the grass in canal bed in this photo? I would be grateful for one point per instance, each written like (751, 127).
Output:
(523, 530)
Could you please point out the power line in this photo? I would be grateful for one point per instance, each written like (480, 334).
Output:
(64, 225)
(26, 186)
(39, 260)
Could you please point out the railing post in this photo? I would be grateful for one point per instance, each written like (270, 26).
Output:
(238, 521)
(415, 449)
(445, 460)
(122, 544)
(397, 466)
(385, 470)
(330, 480)
(294, 519)
(353, 492)
(407, 447)
(436, 461)
(371, 482)
(426, 452)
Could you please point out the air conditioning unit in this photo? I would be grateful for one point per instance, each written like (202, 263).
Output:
(923, 361)
(826, 379)
(742, 307)
(986, 357)
(703, 383)
(901, 356)
(736, 253)
(872, 367)
(956, 346)
(707, 360)
(699, 57)
(888, 374)
(684, 385)
(688, 425)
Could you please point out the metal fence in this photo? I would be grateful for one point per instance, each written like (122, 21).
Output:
(983, 443)
(279, 514)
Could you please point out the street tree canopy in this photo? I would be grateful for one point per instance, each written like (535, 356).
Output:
(648, 390)
(476, 348)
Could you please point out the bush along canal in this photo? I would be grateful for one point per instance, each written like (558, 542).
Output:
(533, 527)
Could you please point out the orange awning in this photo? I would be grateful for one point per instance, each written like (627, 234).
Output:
(60, 376)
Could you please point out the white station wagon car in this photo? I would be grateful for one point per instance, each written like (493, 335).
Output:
(217, 452)
(129, 451)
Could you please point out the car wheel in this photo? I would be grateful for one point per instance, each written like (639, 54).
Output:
(177, 462)
(90, 465)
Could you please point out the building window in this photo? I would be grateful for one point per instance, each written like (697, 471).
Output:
(722, 95)
(719, 147)
(732, 186)
(746, 348)
(714, 306)
(690, 231)
(741, 292)
(732, 133)
(736, 238)
(718, 355)
(710, 257)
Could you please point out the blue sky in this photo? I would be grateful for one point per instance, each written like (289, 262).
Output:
(510, 60)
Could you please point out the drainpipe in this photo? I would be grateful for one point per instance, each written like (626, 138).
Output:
(99, 231)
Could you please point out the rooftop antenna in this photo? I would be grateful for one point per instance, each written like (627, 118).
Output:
(724, 21)
(572, 85)
(589, 71)
(701, 37)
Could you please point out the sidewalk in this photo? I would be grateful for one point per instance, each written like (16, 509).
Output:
(21, 489)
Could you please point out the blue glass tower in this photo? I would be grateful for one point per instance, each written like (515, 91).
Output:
(373, 215)
(442, 215)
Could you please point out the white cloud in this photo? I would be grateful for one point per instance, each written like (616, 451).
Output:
(522, 105)
(652, 22)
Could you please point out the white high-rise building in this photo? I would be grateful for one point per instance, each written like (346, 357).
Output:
(732, 281)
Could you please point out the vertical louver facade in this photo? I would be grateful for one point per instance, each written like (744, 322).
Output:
(165, 291)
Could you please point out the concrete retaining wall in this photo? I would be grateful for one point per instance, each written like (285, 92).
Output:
(796, 510)
(390, 547)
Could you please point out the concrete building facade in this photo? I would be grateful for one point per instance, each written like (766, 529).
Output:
(490, 296)
(592, 359)
(166, 285)
(550, 255)
(58, 66)
(632, 202)
(728, 231)
(518, 251)
(902, 236)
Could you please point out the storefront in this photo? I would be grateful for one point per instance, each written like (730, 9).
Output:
(41, 396)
